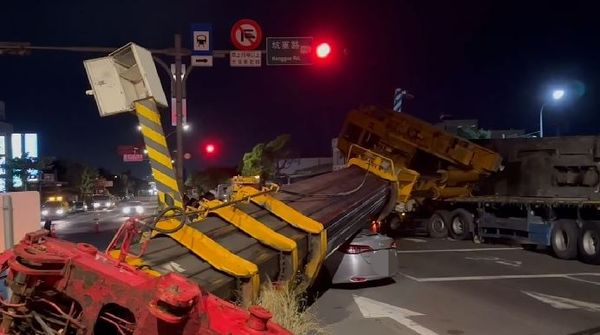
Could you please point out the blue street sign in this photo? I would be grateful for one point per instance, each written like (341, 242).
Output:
(201, 39)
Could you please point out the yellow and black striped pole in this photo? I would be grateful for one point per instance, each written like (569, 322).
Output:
(158, 152)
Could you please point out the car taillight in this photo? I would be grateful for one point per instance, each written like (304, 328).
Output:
(356, 249)
(393, 245)
(375, 226)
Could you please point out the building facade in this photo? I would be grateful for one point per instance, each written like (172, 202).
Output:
(15, 145)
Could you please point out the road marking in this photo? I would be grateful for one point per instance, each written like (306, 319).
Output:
(370, 308)
(474, 278)
(497, 260)
(563, 303)
(455, 250)
(174, 267)
(417, 240)
(583, 280)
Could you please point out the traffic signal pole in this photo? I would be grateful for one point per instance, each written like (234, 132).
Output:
(179, 110)
(178, 79)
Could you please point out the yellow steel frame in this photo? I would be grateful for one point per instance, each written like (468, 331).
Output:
(295, 219)
(258, 231)
(217, 256)
(384, 168)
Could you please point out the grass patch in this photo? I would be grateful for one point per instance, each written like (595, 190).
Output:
(289, 309)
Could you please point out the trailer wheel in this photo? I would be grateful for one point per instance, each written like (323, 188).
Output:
(564, 239)
(437, 224)
(460, 224)
(589, 243)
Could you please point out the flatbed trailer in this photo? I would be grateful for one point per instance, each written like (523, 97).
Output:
(546, 195)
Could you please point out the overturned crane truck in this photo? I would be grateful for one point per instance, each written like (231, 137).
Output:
(533, 191)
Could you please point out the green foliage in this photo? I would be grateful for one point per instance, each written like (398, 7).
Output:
(206, 180)
(262, 160)
(87, 181)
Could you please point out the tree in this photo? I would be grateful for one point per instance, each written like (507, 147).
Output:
(22, 167)
(209, 179)
(263, 159)
(88, 181)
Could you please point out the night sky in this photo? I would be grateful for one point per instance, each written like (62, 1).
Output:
(491, 60)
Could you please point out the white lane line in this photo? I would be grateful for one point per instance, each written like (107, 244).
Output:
(474, 278)
(497, 260)
(550, 300)
(417, 240)
(563, 303)
(455, 250)
(583, 280)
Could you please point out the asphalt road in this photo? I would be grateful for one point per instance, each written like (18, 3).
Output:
(95, 227)
(444, 287)
(458, 287)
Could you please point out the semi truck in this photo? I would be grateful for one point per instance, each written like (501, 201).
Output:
(533, 191)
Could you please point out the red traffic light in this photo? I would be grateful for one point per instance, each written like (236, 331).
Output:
(209, 148)
(323, 50)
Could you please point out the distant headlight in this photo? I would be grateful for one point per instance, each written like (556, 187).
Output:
(60, 211)
(96, 204)
(139, 209)
(45, 212)
(126, 210)
(85, 207)
(108, 204)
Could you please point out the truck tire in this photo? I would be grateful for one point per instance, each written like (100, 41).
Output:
(589, 243)
(564, 238)
(461, 223)
(437, 224)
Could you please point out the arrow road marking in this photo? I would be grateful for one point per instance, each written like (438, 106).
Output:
(563, 303)
(370, 308)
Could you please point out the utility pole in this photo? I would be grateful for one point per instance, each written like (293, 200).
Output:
(179, 110)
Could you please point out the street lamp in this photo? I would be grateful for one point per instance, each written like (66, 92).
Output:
(186, 127)
(556, 95)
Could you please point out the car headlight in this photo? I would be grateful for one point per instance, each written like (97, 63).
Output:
(44, 212)
(96, 204)
(85, 207)
(108, 204)
(126, 210)
(139, 209)
(60, 211)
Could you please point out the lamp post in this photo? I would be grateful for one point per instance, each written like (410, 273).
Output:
(186, 127)
(556, 95)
